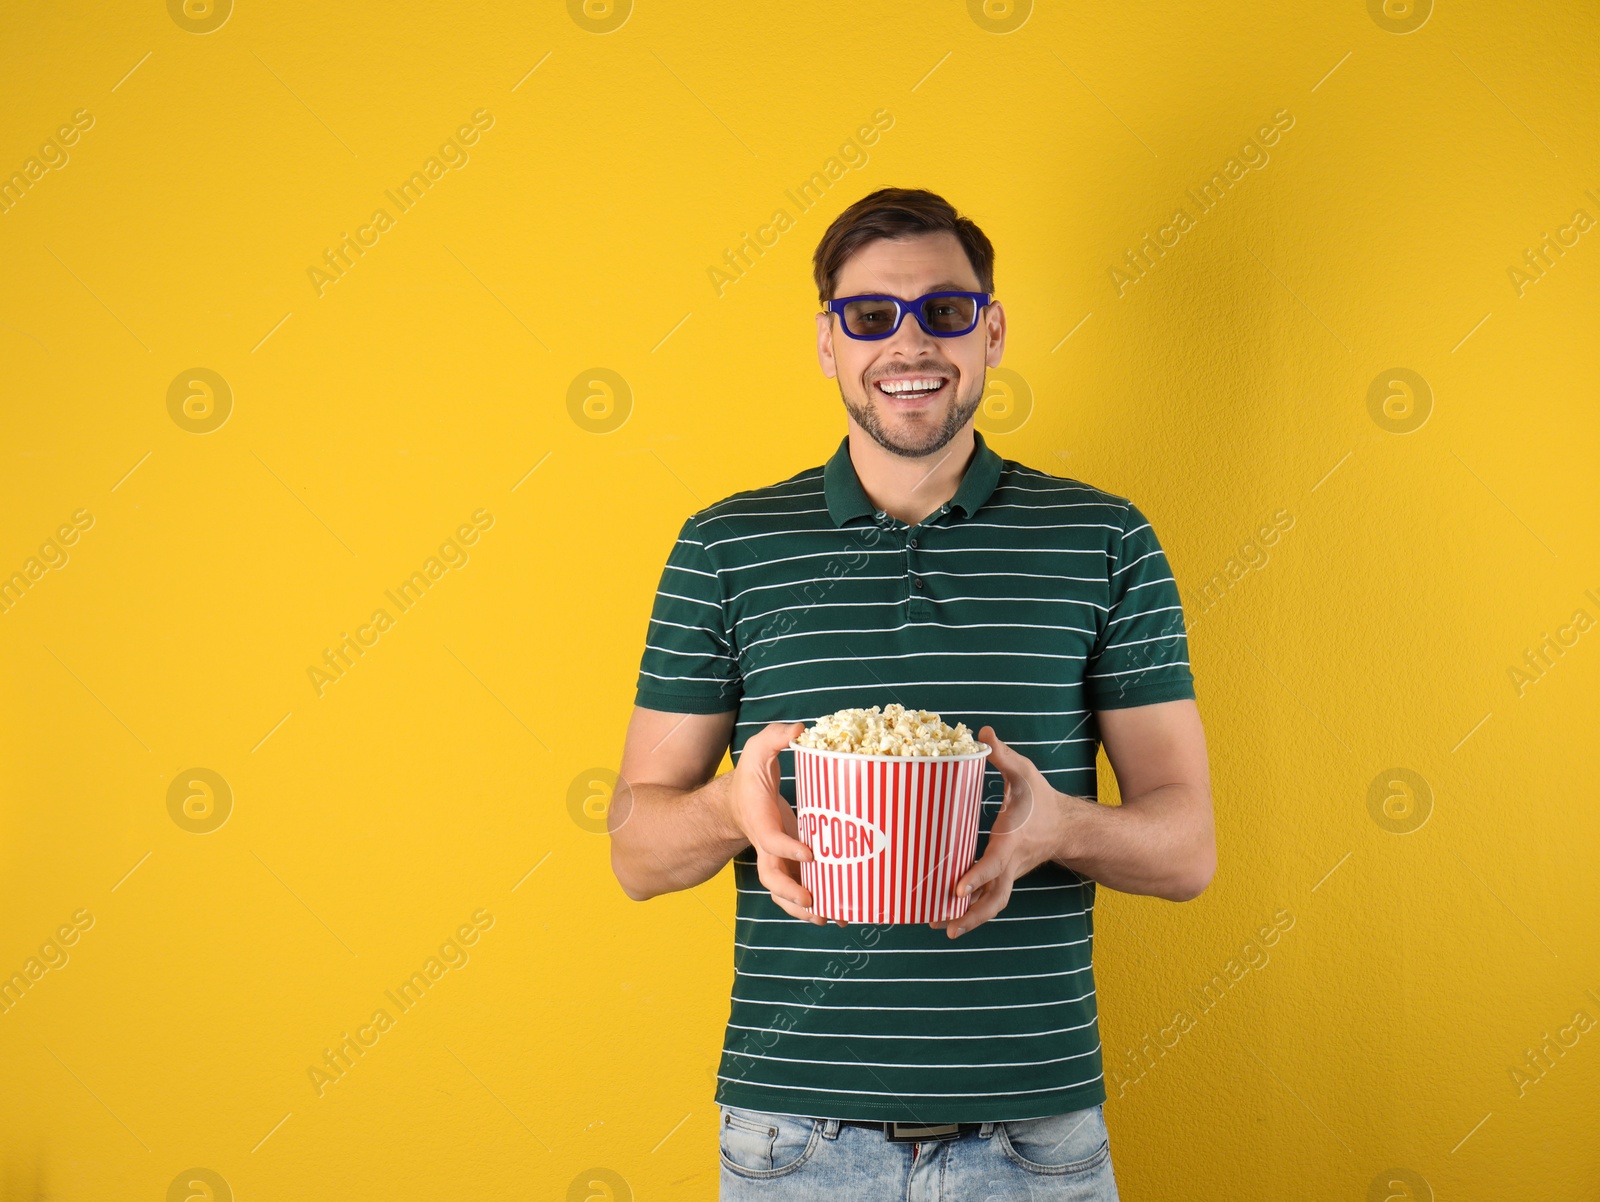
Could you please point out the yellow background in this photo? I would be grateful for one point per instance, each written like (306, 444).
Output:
(449, 770)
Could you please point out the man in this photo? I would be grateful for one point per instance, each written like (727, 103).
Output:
(918, 566)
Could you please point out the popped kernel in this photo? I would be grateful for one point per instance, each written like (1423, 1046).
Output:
(889, 730)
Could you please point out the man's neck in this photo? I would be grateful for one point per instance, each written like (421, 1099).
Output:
(910, 489)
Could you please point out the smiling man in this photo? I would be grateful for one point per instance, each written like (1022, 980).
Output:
(917, 566)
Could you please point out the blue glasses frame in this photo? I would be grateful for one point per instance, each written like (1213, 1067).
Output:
(913, 307)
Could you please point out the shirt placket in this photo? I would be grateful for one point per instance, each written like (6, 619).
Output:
(913, 548)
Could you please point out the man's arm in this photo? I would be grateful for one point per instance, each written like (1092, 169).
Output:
(674, 823)
(670, 823)
(1161, 840)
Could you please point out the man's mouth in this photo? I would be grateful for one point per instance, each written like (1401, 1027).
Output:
(910, 388)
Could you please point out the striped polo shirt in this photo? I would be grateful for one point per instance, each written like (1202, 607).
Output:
(1027, 602)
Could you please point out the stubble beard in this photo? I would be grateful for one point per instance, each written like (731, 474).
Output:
(956, 416)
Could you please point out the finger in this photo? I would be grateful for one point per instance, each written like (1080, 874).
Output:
(1006, 762)
(762, 749)
(1011, 763)
(986, 735)
(803, 913)
(781, 845)
(984, 907)
(788, 894)
(956, 927)
(765, 827)
(780, 884)
(775, 736)
(984, 871)
(1001, 753)
(779, 736)
(1020, 774)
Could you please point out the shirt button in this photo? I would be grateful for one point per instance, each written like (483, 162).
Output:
(912, 544)
(917, 581)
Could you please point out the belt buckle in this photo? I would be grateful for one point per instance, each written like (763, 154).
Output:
(909, 1133)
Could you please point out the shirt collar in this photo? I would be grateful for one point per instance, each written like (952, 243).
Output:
(847, 499)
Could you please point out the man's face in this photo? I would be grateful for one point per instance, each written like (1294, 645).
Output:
(911, 426)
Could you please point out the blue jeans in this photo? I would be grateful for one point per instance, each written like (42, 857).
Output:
(785, 1158)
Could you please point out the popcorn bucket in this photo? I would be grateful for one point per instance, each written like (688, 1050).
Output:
(891, 834)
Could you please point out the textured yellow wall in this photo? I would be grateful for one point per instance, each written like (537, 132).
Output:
(225, 450)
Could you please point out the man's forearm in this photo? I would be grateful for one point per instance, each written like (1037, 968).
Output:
(1154, 846)
(664, 839)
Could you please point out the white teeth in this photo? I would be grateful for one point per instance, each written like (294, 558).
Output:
(923, 385)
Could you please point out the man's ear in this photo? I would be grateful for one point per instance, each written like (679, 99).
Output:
(825, 345)
(995, 334)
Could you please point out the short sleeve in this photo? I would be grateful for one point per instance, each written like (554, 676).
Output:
(688, 666)
(1142, 654)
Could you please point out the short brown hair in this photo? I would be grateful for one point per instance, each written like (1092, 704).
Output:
(897, 213)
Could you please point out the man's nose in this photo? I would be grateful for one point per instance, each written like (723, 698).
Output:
(910, 336)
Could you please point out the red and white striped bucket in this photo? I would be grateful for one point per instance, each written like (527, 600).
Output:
(891, 834)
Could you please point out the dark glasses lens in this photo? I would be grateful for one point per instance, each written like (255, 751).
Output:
(870, 318)
(949, 314)
(874, 318)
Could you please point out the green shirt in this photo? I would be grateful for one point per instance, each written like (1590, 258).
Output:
(1027, 602)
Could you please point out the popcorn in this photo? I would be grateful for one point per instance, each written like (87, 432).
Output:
(891, 730)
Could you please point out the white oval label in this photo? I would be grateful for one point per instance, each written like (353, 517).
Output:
(840, 838)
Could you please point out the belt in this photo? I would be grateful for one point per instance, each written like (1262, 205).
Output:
(908, 1133)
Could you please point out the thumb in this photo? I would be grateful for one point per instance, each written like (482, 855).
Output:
(1017, 770)
(776, 736)
(763, 747)
(1011, 766)
(1002, 756)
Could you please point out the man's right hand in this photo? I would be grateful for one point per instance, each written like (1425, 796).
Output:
(757, 807)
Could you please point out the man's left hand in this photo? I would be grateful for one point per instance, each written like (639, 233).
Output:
(1029, 829)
